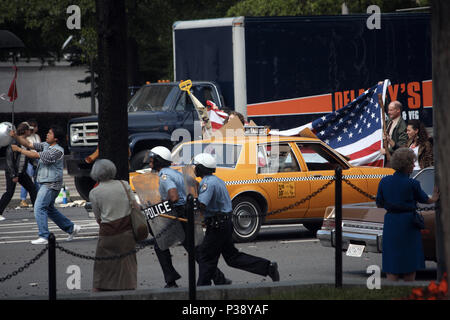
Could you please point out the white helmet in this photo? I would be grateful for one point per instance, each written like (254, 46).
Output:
(163, 152)
(206, 160)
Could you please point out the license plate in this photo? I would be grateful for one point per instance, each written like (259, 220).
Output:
(355, 250)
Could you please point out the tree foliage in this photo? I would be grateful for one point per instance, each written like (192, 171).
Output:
(41, 24)
(315, 7)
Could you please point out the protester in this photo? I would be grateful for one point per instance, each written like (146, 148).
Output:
(32, 163)
(419, 142)
(171, 187)
(50, 177)
(395, 133)
(215, 204)
(15, 171)
(112, 209)
(402, 240)
(235, 114)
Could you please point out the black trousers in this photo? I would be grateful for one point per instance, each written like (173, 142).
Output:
(25, 181)
(165, 260)
(218, 241)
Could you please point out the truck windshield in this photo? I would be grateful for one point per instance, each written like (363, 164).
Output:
(153, 98)
(226, 155)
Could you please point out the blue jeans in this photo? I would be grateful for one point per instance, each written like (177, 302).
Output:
(30, 172)
(44, 208)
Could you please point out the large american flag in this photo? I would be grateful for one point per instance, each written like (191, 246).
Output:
(355, 130)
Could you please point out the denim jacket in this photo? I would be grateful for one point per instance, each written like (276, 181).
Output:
(50, 172)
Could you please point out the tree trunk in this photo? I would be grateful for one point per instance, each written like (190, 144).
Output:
(440, 26)
(132, 45)
(133, 63)
(112, 57)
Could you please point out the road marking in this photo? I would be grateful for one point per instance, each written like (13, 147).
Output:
(298, 241)
(19, 231)
(21, 224)
(57, 239)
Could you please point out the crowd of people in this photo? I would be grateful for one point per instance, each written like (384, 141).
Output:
(38, 167)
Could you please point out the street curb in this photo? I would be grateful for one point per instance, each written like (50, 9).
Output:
(255, 291)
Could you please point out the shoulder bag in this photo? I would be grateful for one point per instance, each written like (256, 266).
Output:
(138, 220)
(418, 220)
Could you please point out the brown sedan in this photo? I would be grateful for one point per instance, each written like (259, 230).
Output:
(362, 223)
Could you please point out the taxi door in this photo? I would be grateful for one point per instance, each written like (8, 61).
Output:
(321, 163)
(280, 175)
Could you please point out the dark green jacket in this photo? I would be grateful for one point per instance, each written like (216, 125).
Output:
(399, 135)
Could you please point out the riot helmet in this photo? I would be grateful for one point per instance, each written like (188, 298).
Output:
(161, 157)
(205, 164)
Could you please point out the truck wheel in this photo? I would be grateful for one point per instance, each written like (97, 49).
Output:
(84, 185)
(136, 161)
(246, 222)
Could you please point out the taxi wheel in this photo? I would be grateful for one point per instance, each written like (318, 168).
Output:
(246, 222)
(313, 226)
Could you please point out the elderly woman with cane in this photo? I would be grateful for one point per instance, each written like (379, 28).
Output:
(112, 209)
(402, 240)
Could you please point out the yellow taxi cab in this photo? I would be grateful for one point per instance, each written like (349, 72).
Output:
(267, 176)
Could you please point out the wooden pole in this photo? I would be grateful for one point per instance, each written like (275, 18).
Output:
(383, 118)
(440, 43)
(338, 228)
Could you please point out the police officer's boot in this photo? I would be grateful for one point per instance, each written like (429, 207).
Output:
(273, 272)
(219, 278)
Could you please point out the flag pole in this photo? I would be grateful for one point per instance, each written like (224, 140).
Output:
(14, 89)
(383, 117)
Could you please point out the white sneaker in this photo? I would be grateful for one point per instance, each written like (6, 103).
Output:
(40, 241)
(2, 218)
(76, 229)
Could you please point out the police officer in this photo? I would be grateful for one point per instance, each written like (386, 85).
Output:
(171, 187)
(215, 203)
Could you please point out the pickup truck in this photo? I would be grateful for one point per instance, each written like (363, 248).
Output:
(155, 111)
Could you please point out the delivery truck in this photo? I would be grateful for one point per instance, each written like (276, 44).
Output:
(286, 71)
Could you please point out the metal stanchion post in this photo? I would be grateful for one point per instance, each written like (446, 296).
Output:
(191, 246)
(52, 267)
(338, 228)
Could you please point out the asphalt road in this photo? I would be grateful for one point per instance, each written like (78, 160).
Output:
(299, 254)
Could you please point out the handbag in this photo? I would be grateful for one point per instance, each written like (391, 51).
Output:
(418, 220)
(138, 220)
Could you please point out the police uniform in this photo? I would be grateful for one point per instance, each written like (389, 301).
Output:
(169, 179)
(213, 194)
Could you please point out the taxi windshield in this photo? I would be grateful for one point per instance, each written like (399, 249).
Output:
(226, 155)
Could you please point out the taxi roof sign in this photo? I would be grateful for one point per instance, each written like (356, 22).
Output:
(256, 130)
